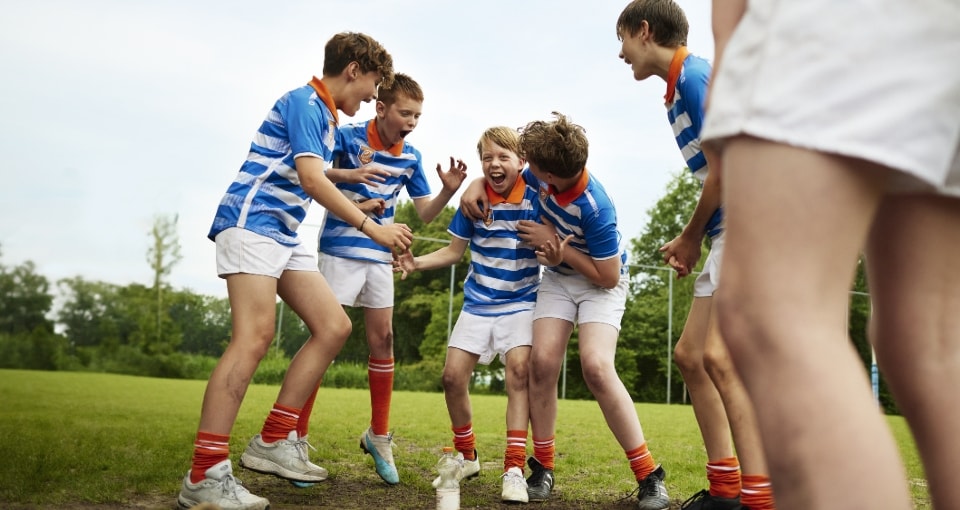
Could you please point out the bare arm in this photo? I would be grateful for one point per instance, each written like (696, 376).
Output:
(364, 175)
(429, 208)
(683, 252)
(602, 273)
(318, 186)
(444, 257)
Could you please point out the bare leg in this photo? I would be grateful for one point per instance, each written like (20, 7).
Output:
(916, 329)
(550, 337)
(796, 222)
(456, 381)
(517, 381)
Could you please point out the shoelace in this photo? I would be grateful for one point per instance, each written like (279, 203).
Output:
(693, 499)
(232, 488)
(302, 445)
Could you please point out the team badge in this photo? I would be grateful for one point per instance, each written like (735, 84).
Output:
(488, 219)
(544, 192)
(365, 155)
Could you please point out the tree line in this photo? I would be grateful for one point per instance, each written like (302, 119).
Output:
(161, 331)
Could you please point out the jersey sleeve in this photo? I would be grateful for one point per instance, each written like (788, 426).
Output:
(461, 226)
(418, 186)
(601, 234)
(693, 90)
(309, 130)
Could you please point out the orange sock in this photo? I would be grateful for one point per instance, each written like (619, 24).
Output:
(724, 477)
(641, 461)
(757, 493)
(380, 373)
(208, 450)
(516, 453)
(464, 441)
(279, 423)
(544, 450)
(303, 422)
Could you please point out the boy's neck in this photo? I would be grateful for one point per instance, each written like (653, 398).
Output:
(563, 184)
(663, 56)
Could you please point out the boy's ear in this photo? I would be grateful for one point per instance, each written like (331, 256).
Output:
(381, 108)
(352, 71)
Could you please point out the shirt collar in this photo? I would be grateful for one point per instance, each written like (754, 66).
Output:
(325, 96)
(373, 136)
(565, 197)
(515, 196)
(676, 65)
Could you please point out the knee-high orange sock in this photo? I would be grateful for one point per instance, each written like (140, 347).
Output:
(757, 493)
(380, 373)
(303, 422)
(208, 449)
(516, 453)
(724, 477)
(544, 450)
(464, 441)
(641, 461)
(279, 423)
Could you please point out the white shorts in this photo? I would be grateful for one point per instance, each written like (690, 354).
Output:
(877, 80)
(489, 336)
(358, 283)
(573, 298)
(706, 282)
(242, 251)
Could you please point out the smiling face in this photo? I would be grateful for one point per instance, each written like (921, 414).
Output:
(398, 119)
(635, 52)
(500, 167)
(362, 88)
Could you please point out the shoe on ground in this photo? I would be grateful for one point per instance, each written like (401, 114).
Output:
(514, 487)
(540, 482)
(468, 468)
(304, 447)
(221, 489)
(652, 493)
(381, 449)
(286, 458)
(703, 500)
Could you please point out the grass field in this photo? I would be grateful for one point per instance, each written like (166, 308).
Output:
(94, 441)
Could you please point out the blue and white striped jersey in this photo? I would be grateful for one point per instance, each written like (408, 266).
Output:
(358, 145)
(585, 212)
(504, 273)
(685, 113)
(266, 196)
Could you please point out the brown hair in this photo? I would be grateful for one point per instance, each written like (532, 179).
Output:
(558, 147)
(402, 85)
(666, 20)
(500, 135)
(347, 47)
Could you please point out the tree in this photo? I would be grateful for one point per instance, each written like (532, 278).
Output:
(25, 299)
(162, 255)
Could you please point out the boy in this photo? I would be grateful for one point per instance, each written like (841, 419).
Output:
(585, 284)
(500, 292)
(654, 34)
(373, 162)
(871, 161)
(260, 257)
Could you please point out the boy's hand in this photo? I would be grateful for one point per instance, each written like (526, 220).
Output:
(396, 237)
(372, 205)
(474, 203)
(454, 177)
(536, 234)
(551, 252)
(366, 174)
(682, 254)
(404, 264)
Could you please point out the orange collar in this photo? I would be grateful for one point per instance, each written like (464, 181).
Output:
(515, 196)
(324, 94)
(563, 198)
(676, 65)
(373, 136)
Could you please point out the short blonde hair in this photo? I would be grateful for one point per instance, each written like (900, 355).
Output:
(503, 136)
(558, 147)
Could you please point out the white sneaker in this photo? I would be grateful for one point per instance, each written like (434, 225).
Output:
(303, 445)
(286, 458)
(381, 449)
(221, 489)
(468, 468)
(514, 486)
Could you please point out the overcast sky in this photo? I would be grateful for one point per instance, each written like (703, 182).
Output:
(115, 111)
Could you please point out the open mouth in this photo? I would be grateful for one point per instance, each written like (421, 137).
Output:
(498, 177)
(403, 134)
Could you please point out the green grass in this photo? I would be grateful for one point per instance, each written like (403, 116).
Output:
(81, 439)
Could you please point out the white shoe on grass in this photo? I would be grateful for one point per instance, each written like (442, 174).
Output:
(514, 487)
(286, 458)
(468, 468)
(219, 488)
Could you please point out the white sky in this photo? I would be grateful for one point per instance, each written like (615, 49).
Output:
(115, 111)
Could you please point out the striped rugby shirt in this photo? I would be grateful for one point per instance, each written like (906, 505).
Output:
(687, 84)
(504, 273)
(357, 145)
(266, 196)
(585, 212)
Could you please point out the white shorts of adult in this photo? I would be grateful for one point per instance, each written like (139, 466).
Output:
(877, 80)
(243, 251)
(489, 336)
(706, 282)
(358, 283)
(573, 298)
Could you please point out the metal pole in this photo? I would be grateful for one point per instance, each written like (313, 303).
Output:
(669, 334)
(279, 323)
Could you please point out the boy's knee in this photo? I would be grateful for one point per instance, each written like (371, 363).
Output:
(689, 361)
